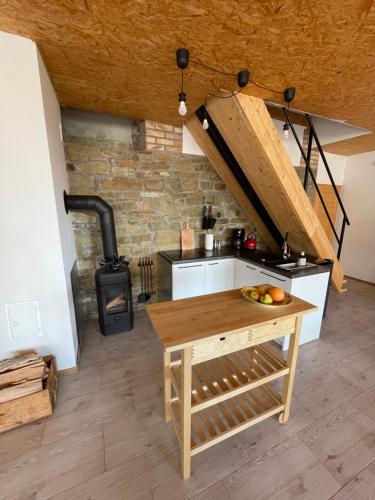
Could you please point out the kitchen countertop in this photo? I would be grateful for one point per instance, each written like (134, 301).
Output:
(258, 257)
(178, 323)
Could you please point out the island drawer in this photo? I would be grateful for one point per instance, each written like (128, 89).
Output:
(227, 343)
(219, 345)
(272, 330)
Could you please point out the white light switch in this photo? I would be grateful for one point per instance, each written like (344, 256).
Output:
(23, 320)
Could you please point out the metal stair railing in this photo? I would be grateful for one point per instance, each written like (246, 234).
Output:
(307, 158)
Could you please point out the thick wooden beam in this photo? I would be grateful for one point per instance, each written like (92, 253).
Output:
(209, 149)
(248, 130)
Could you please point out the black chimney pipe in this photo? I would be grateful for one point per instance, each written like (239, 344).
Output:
(79, 203)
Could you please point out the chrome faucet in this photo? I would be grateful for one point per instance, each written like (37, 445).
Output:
(285, 249)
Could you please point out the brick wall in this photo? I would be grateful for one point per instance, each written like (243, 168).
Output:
(152, 193)
(162, 137)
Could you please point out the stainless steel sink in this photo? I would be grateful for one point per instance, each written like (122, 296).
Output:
(293, 266)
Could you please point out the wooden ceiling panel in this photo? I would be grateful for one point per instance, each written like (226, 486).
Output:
(361, 144)
(119, 56)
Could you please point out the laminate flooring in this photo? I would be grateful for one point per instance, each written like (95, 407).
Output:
(107, 438)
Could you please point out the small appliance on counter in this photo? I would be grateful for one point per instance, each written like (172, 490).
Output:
(209, 240)
(251, 242)
(238, 237)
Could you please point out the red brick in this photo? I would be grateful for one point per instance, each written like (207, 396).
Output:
(155, 133)
(169, 135)
(163, 126)
(166, 142)
(150, 124)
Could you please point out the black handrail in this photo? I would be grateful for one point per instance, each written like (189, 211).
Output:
(308, 170)
(309, 147)
(312, 129)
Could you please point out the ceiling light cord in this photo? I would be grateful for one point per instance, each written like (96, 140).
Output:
(289, 94)
(235, 92)
(226, 73)
(210, 68)
(205, 123)
(266, 88)
(182, 109)
(243, 79)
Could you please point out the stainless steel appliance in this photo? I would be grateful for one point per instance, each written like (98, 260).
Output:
(238, 237)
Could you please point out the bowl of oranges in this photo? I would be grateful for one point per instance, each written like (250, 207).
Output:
(266, 295)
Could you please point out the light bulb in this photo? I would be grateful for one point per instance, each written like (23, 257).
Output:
(286, 131)
(182, 108)
(205, 124)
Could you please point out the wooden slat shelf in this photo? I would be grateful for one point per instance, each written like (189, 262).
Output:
(228, 376)
(214, 424)
(222, 382)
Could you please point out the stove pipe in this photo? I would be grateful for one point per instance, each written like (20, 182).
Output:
(82, 203)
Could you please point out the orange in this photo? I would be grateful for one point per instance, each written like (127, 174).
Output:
(277, 294)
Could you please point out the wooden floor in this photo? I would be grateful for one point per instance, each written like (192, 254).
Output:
(107, 439)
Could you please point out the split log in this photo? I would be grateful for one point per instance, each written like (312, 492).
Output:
(19, 361)
(24, 374)
(14, 392)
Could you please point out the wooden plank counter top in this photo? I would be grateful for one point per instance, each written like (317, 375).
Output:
(181, 322)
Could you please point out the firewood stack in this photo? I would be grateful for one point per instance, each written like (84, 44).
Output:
(22, 375)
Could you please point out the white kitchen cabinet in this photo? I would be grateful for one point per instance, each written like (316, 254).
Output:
(313, 289)
(203, 277)
(188, 280)
(274, 279)
(246, 273)
(218, 275)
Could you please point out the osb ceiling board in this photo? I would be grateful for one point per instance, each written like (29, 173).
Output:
(278, 114)
(361, 144)
(119, 56)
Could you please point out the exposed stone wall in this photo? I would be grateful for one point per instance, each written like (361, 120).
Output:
(152, 193)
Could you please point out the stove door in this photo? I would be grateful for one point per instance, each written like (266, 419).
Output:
(115, 299)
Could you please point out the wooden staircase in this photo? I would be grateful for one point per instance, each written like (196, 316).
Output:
(248, 130)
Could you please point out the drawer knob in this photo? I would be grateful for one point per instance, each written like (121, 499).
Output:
(222, 338)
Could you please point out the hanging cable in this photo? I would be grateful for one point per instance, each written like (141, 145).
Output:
(210, 68)
(243, 80)
(266, 88)
(226, 73)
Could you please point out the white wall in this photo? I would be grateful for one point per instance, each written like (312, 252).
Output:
(337, 166)
(189, 146)
(53, 127)
(329, 131)
(100, 126)
(358, 253)
(33, 264)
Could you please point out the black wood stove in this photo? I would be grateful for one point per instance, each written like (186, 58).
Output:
(114, 295)
(113, 278)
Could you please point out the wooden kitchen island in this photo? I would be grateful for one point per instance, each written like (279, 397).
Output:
(218, 366)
